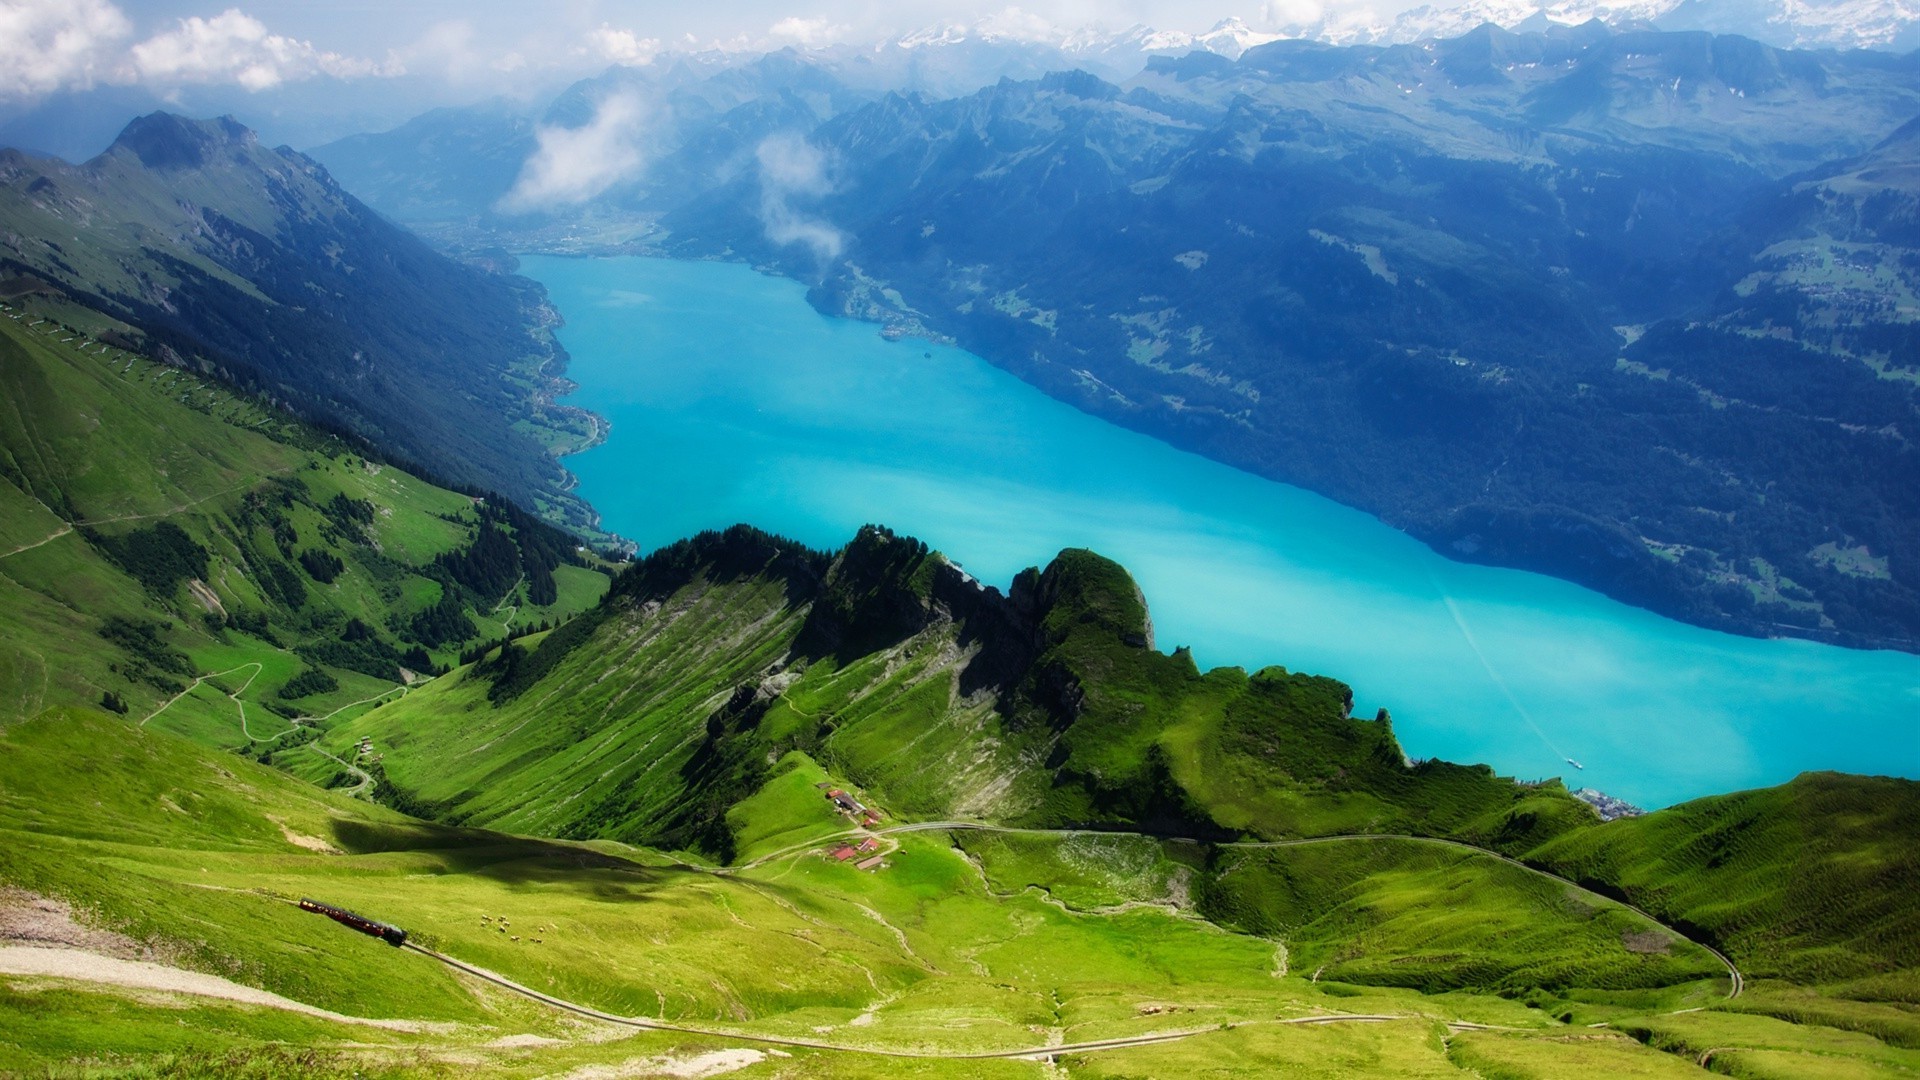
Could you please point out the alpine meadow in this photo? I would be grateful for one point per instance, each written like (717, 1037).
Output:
(446, 631)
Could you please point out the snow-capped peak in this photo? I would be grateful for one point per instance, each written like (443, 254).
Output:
(1230, 37)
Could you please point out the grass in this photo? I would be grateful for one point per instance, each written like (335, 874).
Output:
(1502, 1056)
(188, 850)
(1811, 881)
(790, 808)
(619, 739)
(119, 443)
(1085, 872)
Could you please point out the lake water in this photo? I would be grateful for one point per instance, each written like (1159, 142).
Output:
(733, 401)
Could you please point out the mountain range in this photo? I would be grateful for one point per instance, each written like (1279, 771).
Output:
(1627, 307)
(1098, 852)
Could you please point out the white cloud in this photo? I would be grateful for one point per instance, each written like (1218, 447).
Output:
(794, 30)
(1016, 24)
(790, 166)
(1292, 12)
(572, 165)
(236, 47)
(49, 44)
(619, 46)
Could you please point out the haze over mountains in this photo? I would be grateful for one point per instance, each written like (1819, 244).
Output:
(71, 97)
(1629, 307)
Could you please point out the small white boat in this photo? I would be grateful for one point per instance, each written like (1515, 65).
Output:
(1575, 764)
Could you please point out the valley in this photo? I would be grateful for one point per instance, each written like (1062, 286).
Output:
(1304, 559)
(626, 813)
(731, 400)
(1613, 304)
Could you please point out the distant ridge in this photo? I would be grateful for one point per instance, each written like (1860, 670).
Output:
(253, 261)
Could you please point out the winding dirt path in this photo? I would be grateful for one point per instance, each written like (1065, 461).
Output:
(82, 966)
(63, 530)
(366, 778)
(1024, 1052)
(195, 685)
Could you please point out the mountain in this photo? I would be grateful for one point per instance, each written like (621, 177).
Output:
(1889, 25)
(1503, 285)
(255, 264)
(855, 813)
(1048, 707)
(160, 525)
(1099, 853)
(405, 171)
(771, 674)
(1443, 283)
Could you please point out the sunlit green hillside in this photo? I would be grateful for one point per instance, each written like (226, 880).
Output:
(187, 556)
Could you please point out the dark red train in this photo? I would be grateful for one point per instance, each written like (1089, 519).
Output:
(392, 935)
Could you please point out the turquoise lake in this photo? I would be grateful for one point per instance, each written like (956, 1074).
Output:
(734, 401)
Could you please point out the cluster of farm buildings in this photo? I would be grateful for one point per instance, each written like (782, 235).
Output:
(866, 851)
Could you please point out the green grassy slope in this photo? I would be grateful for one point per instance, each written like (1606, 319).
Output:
(957, 944)
(655, 717)
(1812, 881)
(944, 699)
(190, 855)
(160, 526)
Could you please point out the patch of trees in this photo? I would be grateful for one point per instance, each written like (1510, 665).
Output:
(357, 647)
(347, 519)
(322, 566)
(159, 557)
(487, 567)
(308, 682)
(446, 621)
(151, 658)
(113, 703)
(253, 622)
(510, 546)
(278, 581)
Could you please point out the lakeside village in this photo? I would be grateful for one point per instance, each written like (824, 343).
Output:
(865, 855)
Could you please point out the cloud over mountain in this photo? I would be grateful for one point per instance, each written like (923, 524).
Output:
(572, 165)
(236, 47)
(46, 45)
(792, 167)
